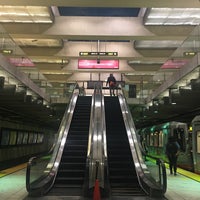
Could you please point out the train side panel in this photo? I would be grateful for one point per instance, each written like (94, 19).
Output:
(156, 138)
(196, 143)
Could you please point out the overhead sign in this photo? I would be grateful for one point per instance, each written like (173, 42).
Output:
(6, 51)
(21, 62)
(102, 64)
(83, 53)
(189, 53)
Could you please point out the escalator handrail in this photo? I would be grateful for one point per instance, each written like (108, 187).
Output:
(161, 165)
(62, 134)
(136, 152)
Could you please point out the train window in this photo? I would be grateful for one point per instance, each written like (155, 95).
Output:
(5, 137)
(30, 138)
(198, 141)
(20, 137)
(160, 139)
(25, 138)
(13, 137)
(156, 139)
(151, 139)
(35, 138)
(40, 138)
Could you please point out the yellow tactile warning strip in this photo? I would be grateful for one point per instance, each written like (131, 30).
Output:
(189, 174)
(186, 173)
(12, 170)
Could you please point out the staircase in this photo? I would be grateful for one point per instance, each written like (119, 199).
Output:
(122, 174)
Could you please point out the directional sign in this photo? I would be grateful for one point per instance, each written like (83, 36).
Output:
(6, 51)
(189, 53)
(83, 53)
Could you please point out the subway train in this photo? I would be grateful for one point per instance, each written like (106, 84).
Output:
(154, 139)
(19, 142)
(195, 136)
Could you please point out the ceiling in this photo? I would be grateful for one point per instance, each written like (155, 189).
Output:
(45, 38)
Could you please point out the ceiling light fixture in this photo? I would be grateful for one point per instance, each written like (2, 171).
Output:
(172, 16)
(25, 14)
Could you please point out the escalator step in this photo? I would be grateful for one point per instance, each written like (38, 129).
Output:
(79, 142)
(115, 172)
(73, 159)
(69, 180)
(71, 173)
(75, 147)
(127, 192)
(77, 166)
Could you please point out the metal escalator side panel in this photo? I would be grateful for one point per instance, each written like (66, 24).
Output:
(97, 152)
(147, 182)
(47, 166)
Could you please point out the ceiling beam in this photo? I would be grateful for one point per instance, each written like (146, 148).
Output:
(106, 3)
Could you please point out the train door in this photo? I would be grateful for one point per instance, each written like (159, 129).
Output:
(179, 135)
(196, 143)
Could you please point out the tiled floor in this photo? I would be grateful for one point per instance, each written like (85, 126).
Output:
(12, 187)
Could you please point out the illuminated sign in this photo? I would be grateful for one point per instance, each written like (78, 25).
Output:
(6, 51)
(189, 53)
(98, 64)
(19, 62)
(174, 64)
(98, 53)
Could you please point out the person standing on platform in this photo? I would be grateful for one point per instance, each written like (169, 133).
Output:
(172, 151)
(111, 81)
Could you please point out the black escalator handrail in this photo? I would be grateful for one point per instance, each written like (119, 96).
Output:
(28, 170)
(64, 127)
(162, 170)
(147, 183)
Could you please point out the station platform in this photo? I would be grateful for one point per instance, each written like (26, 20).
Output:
(180, 187)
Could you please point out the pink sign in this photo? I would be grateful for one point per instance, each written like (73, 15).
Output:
(174, 64)
(26, 62)
(98, 64)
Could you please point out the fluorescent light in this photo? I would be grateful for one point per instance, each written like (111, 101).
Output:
(157, 44)
(25, 14)
(172, 16)
(145, 62)
(56, 73)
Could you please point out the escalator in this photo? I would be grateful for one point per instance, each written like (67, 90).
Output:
(121, 169)
(71, 172)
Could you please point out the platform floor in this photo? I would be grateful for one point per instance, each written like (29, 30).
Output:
(180, 187)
